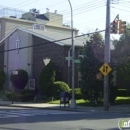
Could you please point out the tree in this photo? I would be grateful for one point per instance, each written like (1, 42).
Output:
(59, 73)
(47, 79)
(120, 58)
(2, 79)
(89, 67)
(20, 80)
(123, 75)
(121, 53)
(97, 44)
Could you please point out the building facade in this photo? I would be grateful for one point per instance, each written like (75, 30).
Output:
(27, 48)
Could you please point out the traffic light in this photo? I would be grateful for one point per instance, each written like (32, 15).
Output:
(122, 26)
(114, 27)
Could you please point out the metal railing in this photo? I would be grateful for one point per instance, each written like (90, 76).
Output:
(11, 12)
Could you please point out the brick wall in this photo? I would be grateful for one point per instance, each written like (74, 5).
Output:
(57, 54)
(51, 50)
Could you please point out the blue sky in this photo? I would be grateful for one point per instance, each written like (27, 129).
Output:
(87, 14)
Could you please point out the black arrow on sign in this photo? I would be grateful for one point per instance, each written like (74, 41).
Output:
(105, 69)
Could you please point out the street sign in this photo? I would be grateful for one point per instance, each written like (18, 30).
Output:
(105, 69)
(68, 58)
(15, 72)
(77, 61)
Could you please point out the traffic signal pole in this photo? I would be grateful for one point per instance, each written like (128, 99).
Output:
(107, 56)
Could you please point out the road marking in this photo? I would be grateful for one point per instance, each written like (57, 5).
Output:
(20, 113)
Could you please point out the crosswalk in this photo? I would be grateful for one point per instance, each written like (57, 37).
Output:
(31, 112)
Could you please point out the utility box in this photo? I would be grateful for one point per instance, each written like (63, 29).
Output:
(64, 98)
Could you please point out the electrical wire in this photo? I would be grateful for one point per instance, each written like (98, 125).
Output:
(124, 5)
(79, 6)
(78, 9)
(75, 14)
(88, 24)
(20, 3)
(123, 1)
(40, 44)
(120, 9)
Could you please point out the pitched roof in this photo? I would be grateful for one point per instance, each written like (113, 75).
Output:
(50, 36)
(42, 16)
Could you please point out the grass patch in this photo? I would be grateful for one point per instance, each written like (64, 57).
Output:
(54, 102)
(78, 101)
(122, 100)
(82, 102)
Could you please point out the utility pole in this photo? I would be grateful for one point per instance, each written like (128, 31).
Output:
(73, 101)
(107, 56)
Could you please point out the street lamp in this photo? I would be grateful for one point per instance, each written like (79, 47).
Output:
(73, 102)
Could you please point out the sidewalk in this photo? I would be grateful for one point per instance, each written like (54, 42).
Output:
(116, 108)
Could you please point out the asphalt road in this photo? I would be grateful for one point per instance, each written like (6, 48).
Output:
(40, 119)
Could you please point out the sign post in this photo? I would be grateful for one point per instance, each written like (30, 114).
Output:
(14, 73)
(105, 69)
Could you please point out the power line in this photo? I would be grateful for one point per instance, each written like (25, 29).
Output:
(91, 23)
(74, 14)
(77, 7)
(53, 5)
(120, 9)
(21, 3)
(123, 1)
(40, 44)
(124, 6)
(82, 9)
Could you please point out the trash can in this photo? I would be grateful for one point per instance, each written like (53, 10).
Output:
(64, 98)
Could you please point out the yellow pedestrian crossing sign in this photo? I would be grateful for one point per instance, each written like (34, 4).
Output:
(105, 69)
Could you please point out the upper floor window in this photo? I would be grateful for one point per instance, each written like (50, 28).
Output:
(38, 27)
(17, 44)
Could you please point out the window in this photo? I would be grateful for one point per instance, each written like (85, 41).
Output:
(17, 44)
(38, 27)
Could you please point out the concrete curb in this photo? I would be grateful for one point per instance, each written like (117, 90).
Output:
(113, 109)
(63, 109)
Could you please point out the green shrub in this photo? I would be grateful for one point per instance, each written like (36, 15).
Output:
(113, 94)
(78, 94)
(46, 79)
(2, 79)
(59, 87)
(20, 80)
(123, 93)
(24, 95)
(129, 93)
(59, 73)
(28, 94)
(16, 96)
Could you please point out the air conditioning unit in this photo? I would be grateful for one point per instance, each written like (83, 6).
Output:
(32, 84)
